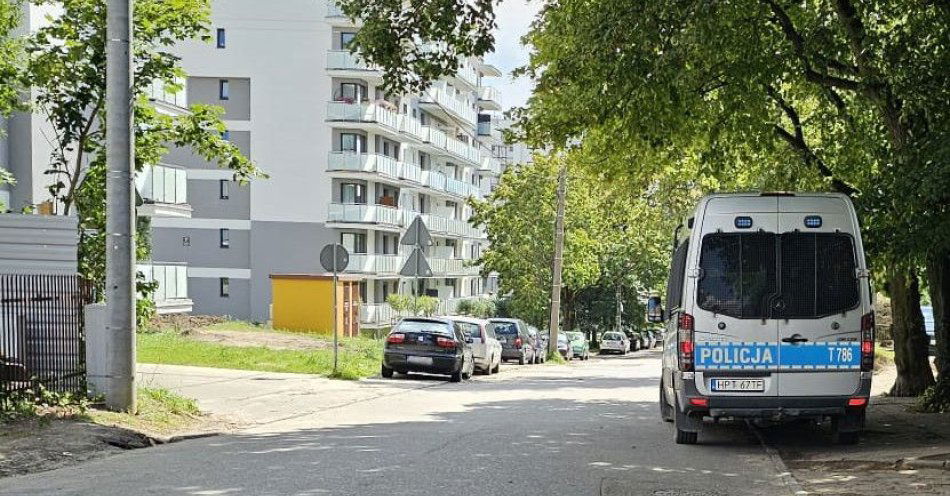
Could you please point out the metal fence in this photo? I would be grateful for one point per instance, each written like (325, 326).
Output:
(41, 332)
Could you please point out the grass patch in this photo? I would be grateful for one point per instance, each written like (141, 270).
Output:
(555, 359)
(358, 357)
(240, 325)
(159, 410)
(883, 357)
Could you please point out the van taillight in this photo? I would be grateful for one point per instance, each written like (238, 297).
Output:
(686, 344)
(867, 342)
(396, 338)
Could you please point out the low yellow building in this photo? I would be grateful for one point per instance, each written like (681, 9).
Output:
(304, 302)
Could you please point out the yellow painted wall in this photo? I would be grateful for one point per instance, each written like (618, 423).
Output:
(304, 304)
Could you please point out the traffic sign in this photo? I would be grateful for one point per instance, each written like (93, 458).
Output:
(416, 265)
(417, 234)
(334, 258)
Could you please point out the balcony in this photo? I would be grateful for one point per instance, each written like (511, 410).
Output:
(435, 137)
(356, 213)
(467, 75)
(171, 294)
(169, 99)
(490, 164)
(447, 106)
(462, 150)
(344, 63)
(364, 113)
(413, 127)
(377, 314)
(164, 192)
(489, 98)
(363, 162)
(375, 264)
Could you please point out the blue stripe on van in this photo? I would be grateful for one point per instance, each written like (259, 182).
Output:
(757, 355)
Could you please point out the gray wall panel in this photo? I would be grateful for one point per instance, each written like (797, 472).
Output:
(282, 247)
(205, 292)
(204, 195)
(185, 157)
(204, 249)
(207, 90)
(38, 244)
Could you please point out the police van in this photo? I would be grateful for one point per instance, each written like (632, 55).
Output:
(768, 314)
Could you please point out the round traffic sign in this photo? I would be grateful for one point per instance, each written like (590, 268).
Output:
(334, 258)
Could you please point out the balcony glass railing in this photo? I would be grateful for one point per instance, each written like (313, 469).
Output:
(172, 280)
(161, 92)
(490, 94)
(163, 184)
(344, 60)
(363, 112)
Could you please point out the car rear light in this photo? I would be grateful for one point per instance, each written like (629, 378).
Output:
(445, 342)
(867, 342)
(518, 343)
(703, 402)
(857, 402)
(686, 344)
(396, 338)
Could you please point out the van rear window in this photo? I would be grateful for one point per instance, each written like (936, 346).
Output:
(764, 275)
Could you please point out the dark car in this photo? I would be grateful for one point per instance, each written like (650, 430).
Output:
(516, 342)
(428, 345)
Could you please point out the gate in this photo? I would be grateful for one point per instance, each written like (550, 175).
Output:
(42, 340)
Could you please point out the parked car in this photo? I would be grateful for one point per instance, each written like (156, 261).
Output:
(614, 342)
(781, 320)
(516, 342)
(428, 345)
(486, 349)
(637, 339)
(930, 328)
(540, 340)
(564, 347)
(579, 344)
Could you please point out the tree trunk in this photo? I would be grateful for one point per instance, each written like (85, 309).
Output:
(568, 299)
(938, 278)
(910, 340)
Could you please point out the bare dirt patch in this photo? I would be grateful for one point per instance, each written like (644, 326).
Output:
(266, 339)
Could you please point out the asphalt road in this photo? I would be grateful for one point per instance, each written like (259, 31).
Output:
(590, 428)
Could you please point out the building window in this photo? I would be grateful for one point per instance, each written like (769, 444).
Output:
(346, 38)
(224, 189)
(186, 240)
(350, 142)
(222, 41)
(353, 242)
(224, 89)
(353, 92)
(225, 238)
(352, 193)
(224, 286)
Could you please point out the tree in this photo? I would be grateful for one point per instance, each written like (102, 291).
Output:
(765, 93)
(66, 68)
(10, 57)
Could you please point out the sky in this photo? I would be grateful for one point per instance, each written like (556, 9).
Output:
(514, 17)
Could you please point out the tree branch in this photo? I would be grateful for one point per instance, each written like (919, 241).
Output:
(797, 142)
(77, 171)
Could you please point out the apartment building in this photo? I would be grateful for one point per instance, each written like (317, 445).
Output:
(346, 163)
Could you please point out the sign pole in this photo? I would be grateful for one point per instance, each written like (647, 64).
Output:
(335, 314)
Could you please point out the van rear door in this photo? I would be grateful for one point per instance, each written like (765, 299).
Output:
(736, 350)
(820, 300)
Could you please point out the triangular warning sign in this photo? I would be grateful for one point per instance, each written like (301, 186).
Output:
(416, 265)
(417, 234)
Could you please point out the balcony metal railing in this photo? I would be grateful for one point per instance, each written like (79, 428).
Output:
(435, 137)
(163, 184)
(490, 94)
(413, 127)
(490, 164)
(459, 108)
(462, 150)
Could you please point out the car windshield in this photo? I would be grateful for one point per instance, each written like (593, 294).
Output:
(427, 326)
(506, 328)
(575, 336)
(612, 336)
(562, 339)
(747, 275)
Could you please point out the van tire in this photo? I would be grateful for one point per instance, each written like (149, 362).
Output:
(683, 437)
(686, 428)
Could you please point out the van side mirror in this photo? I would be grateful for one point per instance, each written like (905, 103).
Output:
(654, 309)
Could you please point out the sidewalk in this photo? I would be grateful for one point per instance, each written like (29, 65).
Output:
(901, 452)
(256, 399)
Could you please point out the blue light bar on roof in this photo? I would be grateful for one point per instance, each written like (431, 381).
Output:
(813, 221)
(743, 222)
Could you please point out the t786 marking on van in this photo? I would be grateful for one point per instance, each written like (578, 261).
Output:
(712, 355)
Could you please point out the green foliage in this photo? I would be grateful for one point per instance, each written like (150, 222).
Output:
(11, 56)
(417, 42)
(32, 403)
(414, 305)
(477, 307)
(936, 399)
(66, 66)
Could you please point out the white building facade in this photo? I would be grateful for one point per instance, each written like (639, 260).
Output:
(347, 164)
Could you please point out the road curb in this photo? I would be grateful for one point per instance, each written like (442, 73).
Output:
(156, 440)
(912, 463)
(790, 481)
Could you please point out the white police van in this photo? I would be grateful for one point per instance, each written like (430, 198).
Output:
(768, 314)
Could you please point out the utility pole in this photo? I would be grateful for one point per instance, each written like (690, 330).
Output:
(120, 207)
(558, 259)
